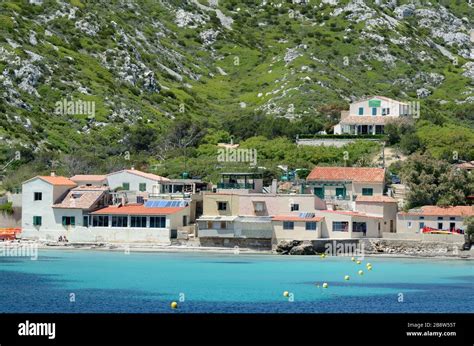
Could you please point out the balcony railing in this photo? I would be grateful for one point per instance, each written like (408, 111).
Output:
(249, 186)
(339, 198)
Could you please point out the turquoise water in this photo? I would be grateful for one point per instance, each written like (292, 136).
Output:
(101, 281)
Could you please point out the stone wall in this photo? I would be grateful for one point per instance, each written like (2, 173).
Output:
(250, 243)
(368, 246)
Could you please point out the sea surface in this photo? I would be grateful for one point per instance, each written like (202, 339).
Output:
(77, 281)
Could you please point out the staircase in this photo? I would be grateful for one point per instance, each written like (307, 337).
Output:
(399, 193)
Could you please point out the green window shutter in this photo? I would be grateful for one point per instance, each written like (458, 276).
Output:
(142, 187)
(340, 191)
(64, 221)
(73, 220)
(126, 186)
(319, 191)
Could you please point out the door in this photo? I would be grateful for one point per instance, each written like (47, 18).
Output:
(452, 226)
(391, 226)
(185, 220)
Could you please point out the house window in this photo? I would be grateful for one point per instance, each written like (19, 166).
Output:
(209, 224)
(85, 221)
(38, 196)
(288, 225)
(222, 206)
(340, 226)
(367, 191)
(138, 221)
(295, 207)
(311, 226)
(126, 186)
(359, 227)
(440, 218)
(119, 221)
(452, 226)
(223, 225)
(385, 111)
(409, 224)
(340, 192)
(37, 220)
(100, 221)
(69, 220)
(452, 218)
(374, 111)
(422, 225)
(259, 206)
(440, 225)
(142, 187)
(157, 221)
(361, 110)
(422, 217)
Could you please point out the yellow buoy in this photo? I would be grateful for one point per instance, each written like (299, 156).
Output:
(369, 265)
(286, 294)
(174, 305)
(361, 272)
(358, 262)
(353, 259)
(325, 285)
(347, 277)
(323, 255)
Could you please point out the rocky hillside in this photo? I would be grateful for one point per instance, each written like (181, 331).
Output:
(215, 63)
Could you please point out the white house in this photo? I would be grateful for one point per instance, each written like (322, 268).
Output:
(370, 115)
(39, 195)
(135, 180)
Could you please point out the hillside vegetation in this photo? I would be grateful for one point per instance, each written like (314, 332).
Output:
(165, 76)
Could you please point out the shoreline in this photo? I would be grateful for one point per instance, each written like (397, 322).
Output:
(154, 248)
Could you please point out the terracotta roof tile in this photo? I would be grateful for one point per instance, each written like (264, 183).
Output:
(432, 210)
(357, 174)
(57, 180)
(88, 177)
(80, 199)
(367, 120)
(296, 218)
(376, 199)
(352, 213)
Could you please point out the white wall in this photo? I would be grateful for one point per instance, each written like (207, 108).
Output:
(50, 195)
(117, 179)
(393, 105)
(103, 234)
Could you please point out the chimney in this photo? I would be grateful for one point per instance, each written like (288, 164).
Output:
(274, 186)
(53, 173)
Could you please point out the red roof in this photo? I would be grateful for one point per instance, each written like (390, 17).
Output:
(352, 213)
(88, 177)
(136, 209)
(376, 199)
(296, 218)
(356, 174)
(57, 180)
(432, 210)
